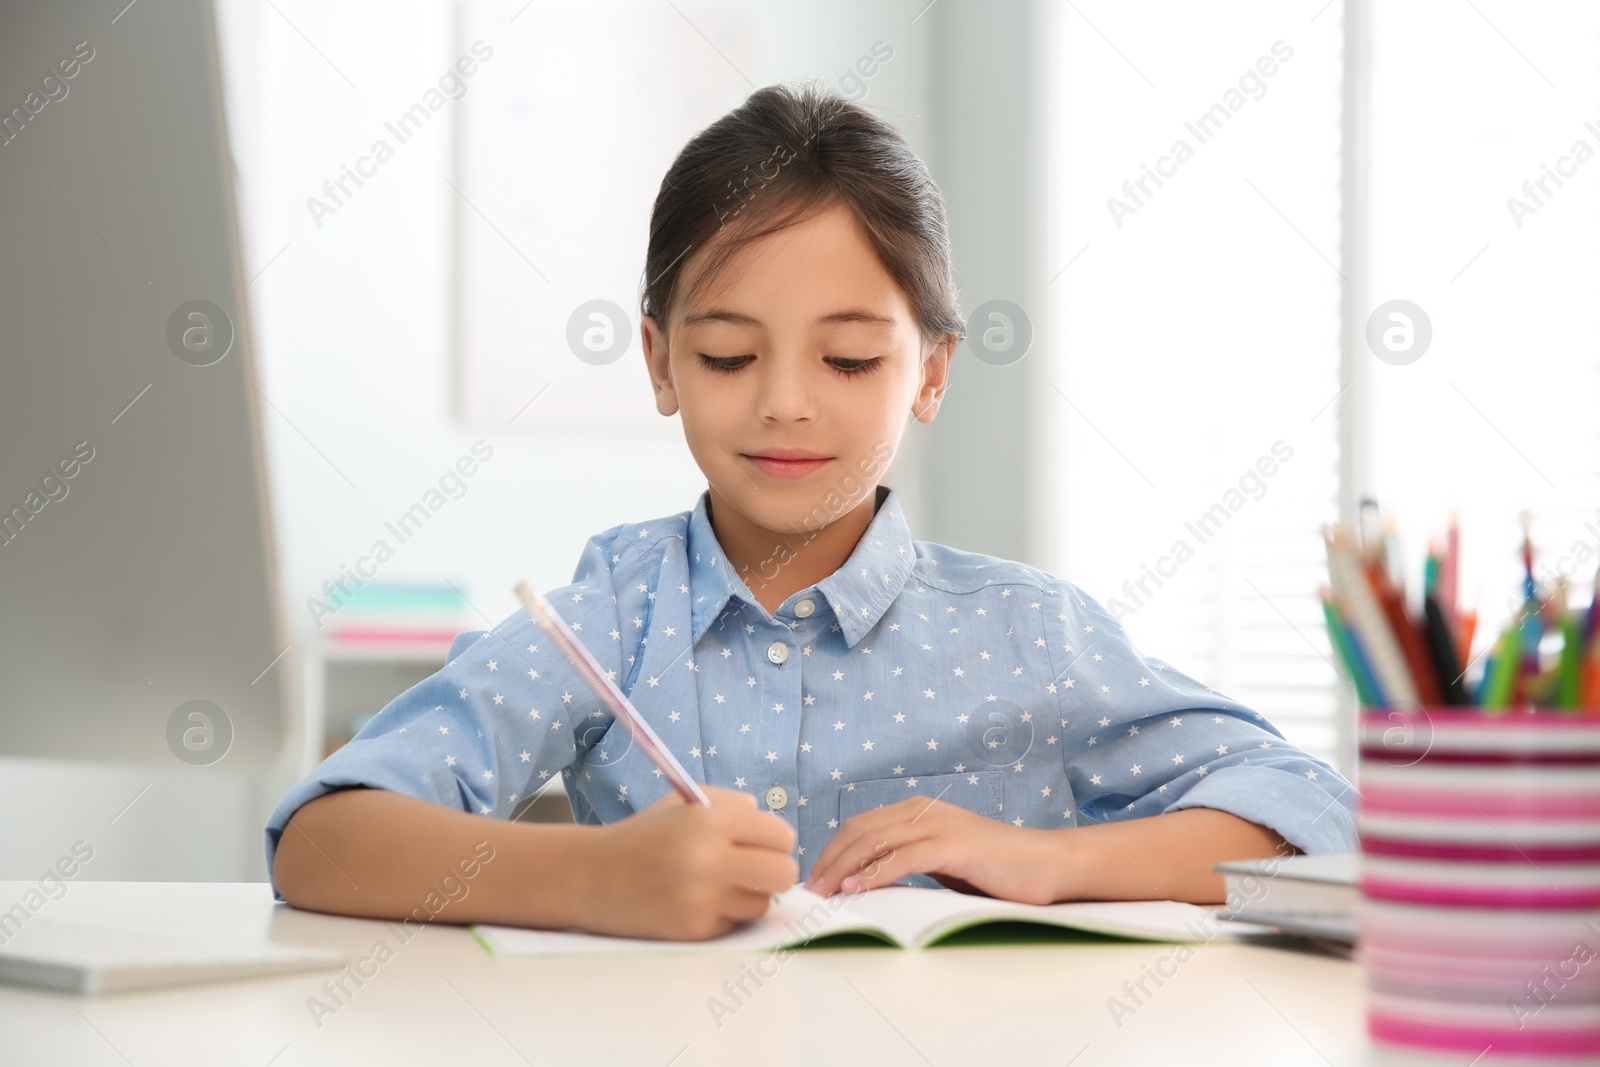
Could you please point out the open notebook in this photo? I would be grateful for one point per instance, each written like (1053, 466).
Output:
(907, 916)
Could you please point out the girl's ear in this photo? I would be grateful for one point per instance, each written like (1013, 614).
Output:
(935, 378)
(660, 368)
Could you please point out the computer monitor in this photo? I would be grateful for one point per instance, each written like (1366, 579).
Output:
(139, 614)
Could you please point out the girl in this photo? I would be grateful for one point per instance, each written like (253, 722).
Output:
(865, 709)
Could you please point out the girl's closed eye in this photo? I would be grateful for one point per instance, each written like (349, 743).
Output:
(846, 367)
(851, 367)
(726, 364)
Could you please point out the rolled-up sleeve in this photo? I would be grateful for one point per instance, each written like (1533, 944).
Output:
(1276, 793)
(1146, 739)
(495, 724)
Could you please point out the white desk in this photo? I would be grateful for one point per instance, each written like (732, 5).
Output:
(442, 999)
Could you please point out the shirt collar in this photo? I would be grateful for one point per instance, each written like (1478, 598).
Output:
(859, 592)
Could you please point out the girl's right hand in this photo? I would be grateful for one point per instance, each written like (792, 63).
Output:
(682, 871)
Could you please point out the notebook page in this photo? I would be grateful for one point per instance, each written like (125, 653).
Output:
(914, 915)
(911, 914)
(797, 916)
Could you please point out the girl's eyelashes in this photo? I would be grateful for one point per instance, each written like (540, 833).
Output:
(726, 365)
(848, 368)
(851, 367)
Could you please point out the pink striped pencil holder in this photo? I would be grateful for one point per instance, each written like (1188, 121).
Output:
(1480, 880)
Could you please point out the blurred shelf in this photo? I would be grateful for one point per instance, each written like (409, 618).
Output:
(349, 682)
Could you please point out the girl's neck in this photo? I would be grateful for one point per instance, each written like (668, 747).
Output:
(776, 564)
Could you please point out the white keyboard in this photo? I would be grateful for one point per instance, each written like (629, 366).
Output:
(91, 958)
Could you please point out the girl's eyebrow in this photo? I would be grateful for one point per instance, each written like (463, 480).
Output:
(735, 318)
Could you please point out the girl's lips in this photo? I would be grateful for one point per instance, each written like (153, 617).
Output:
(786, 468)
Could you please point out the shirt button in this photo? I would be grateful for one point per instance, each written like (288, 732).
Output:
(778, 652)
(777, 798)
(804, 608)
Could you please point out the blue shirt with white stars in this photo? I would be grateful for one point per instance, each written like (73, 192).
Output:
(914, 670)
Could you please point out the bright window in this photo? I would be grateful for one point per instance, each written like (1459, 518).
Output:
(1199, 210)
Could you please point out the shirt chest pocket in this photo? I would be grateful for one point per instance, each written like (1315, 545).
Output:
(980, 792)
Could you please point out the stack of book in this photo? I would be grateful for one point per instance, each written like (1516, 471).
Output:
(1316, 897)
(382, 614)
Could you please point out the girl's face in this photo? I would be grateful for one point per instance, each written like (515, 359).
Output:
(805, 347)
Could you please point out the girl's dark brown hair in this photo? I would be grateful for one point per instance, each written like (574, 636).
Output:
(782, 155)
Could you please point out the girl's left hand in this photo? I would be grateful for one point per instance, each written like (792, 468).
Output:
(958, 848)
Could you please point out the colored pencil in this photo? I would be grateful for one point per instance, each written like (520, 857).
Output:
(1546, 656)
(1339, 634)
(1357, 604)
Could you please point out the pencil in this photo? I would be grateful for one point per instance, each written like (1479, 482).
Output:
(1358, 605)
(1450, 579)
(1391, 601)
(1469, 626)
(1570, 684)
(1344, 644)
(621, 708)
(1591, 687)
(1501, 677)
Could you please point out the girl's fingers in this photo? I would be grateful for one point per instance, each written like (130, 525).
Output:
(851, 839)
(865, 853)
(764, 871)
(741, 906)
(918, 857)
(866, 858)
(874, 826)
(759, 829)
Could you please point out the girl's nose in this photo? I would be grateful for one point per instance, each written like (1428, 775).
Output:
(787, 391)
